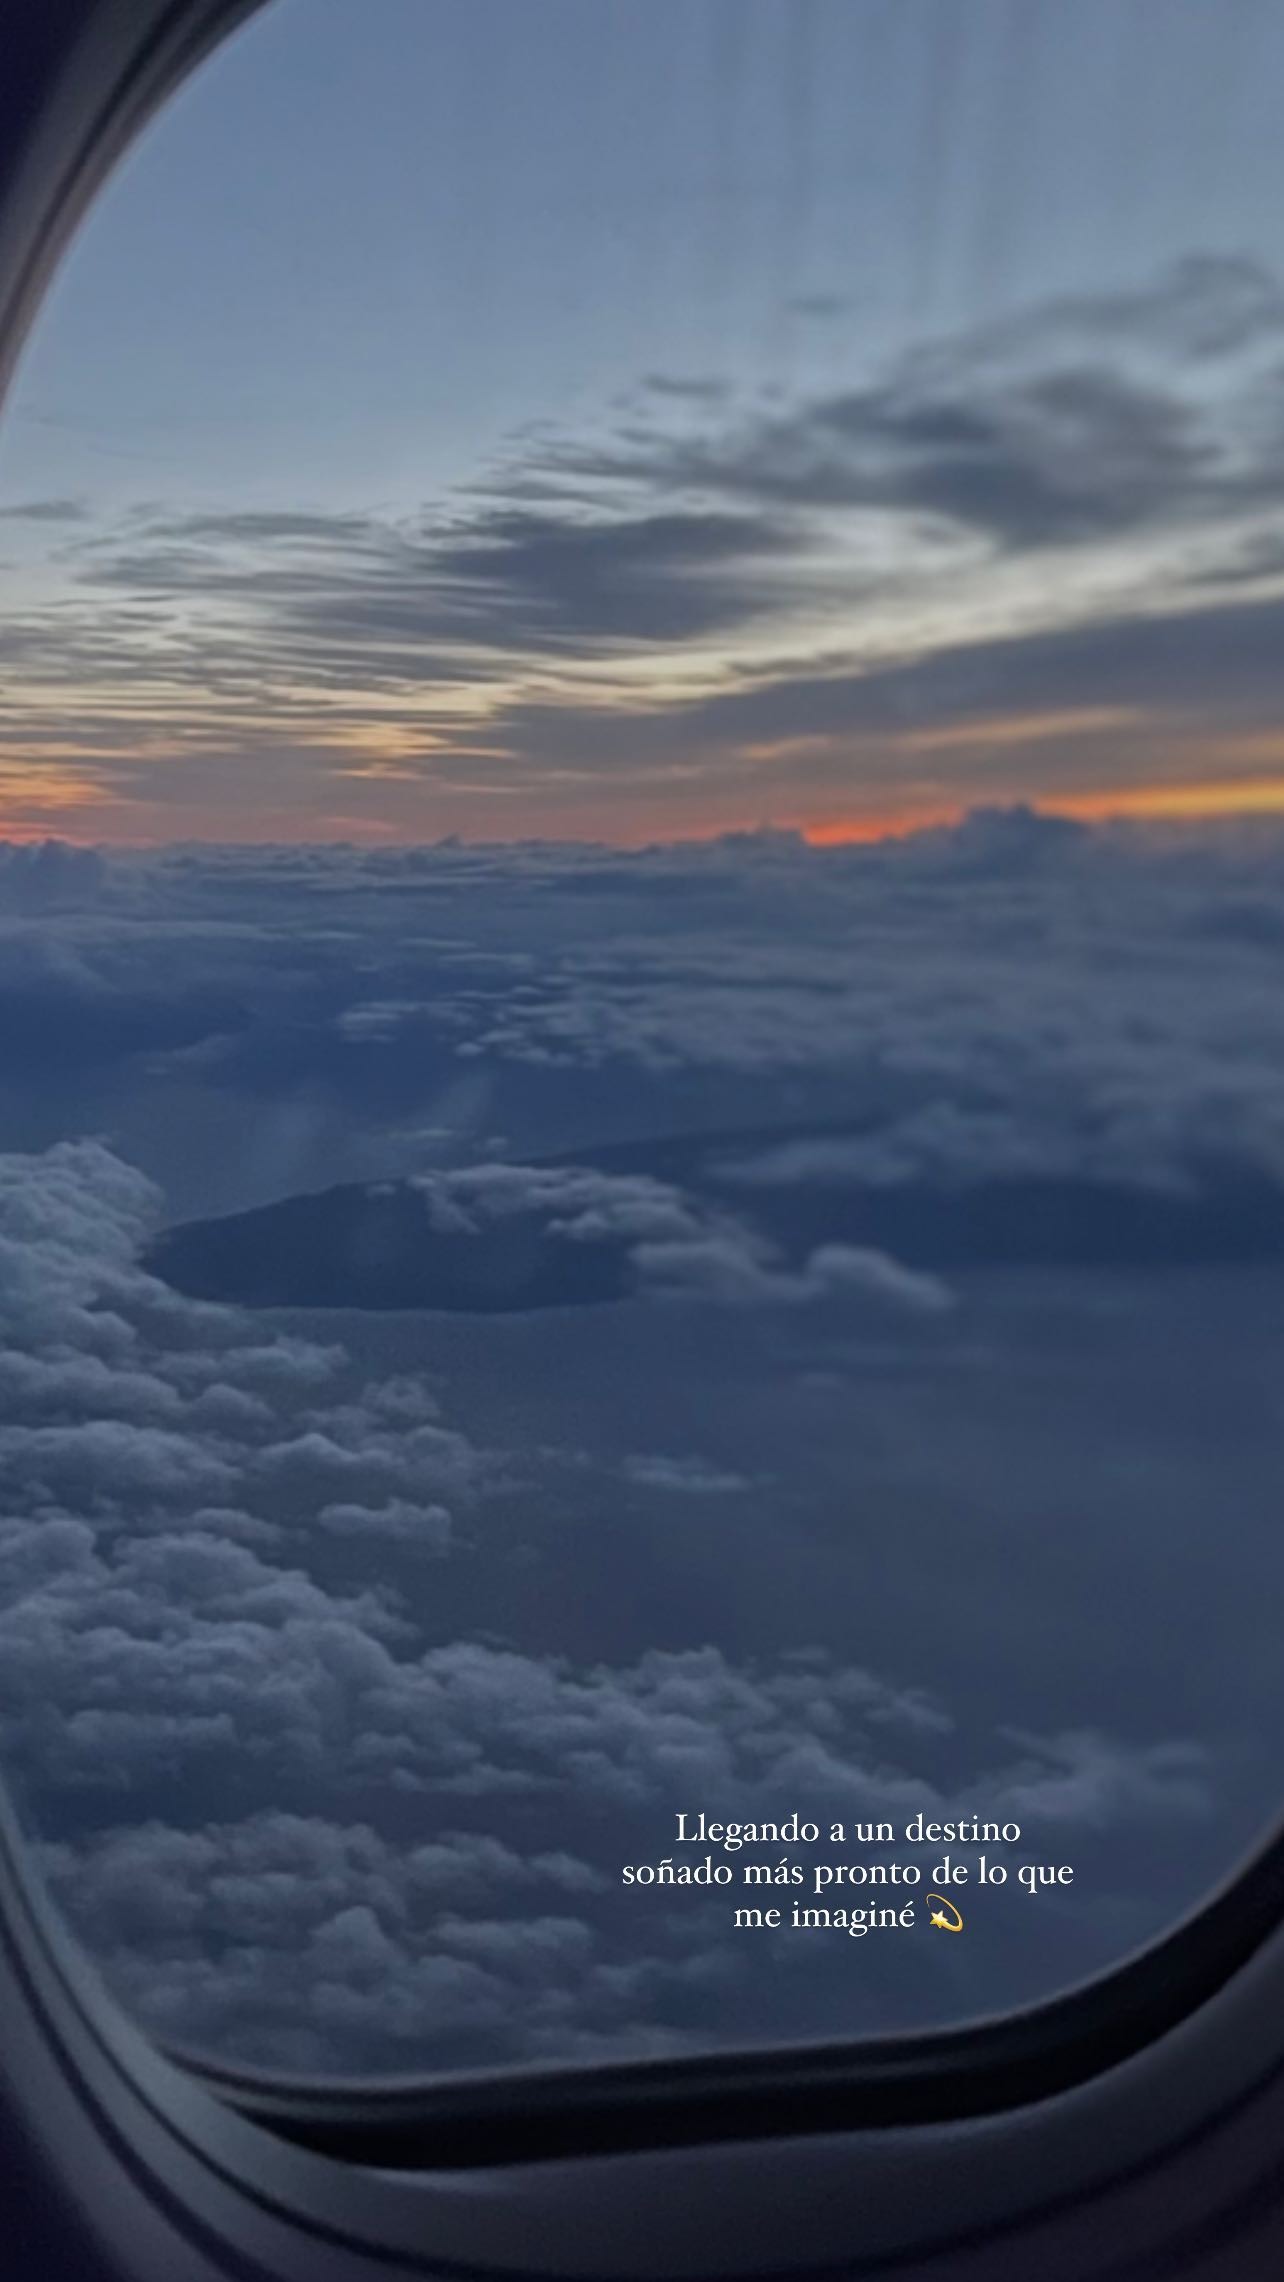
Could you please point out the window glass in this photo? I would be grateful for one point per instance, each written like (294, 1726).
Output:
(641, 1044)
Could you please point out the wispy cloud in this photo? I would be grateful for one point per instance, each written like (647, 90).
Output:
(732, 611)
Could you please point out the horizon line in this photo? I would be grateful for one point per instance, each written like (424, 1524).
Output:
(1141, 804)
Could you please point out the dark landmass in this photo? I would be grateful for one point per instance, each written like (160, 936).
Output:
(375, 1246)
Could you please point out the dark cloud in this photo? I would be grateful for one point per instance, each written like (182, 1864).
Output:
(1128, 443)
(509, 579)
(45, 511)
(1050, 460)
(1202, 306)
(251, 526)
(1192, 672)
(1033, 433)
(541, 579)
(691, 390)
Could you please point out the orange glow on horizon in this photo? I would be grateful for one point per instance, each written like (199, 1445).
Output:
(849, 832)
(88, 815)
(1175, 803)
(1239, 797)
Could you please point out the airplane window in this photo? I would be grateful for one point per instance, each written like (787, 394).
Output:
(641, 1044)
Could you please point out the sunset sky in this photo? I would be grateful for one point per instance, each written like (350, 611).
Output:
(640, 421)
(505, 1339)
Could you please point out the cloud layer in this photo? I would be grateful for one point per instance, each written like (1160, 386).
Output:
(342, 1664)
(268, 1798)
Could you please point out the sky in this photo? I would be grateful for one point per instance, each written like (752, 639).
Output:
(641, 1053)
(637, 422)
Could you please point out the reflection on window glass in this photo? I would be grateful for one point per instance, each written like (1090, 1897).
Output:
(641, 1045)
